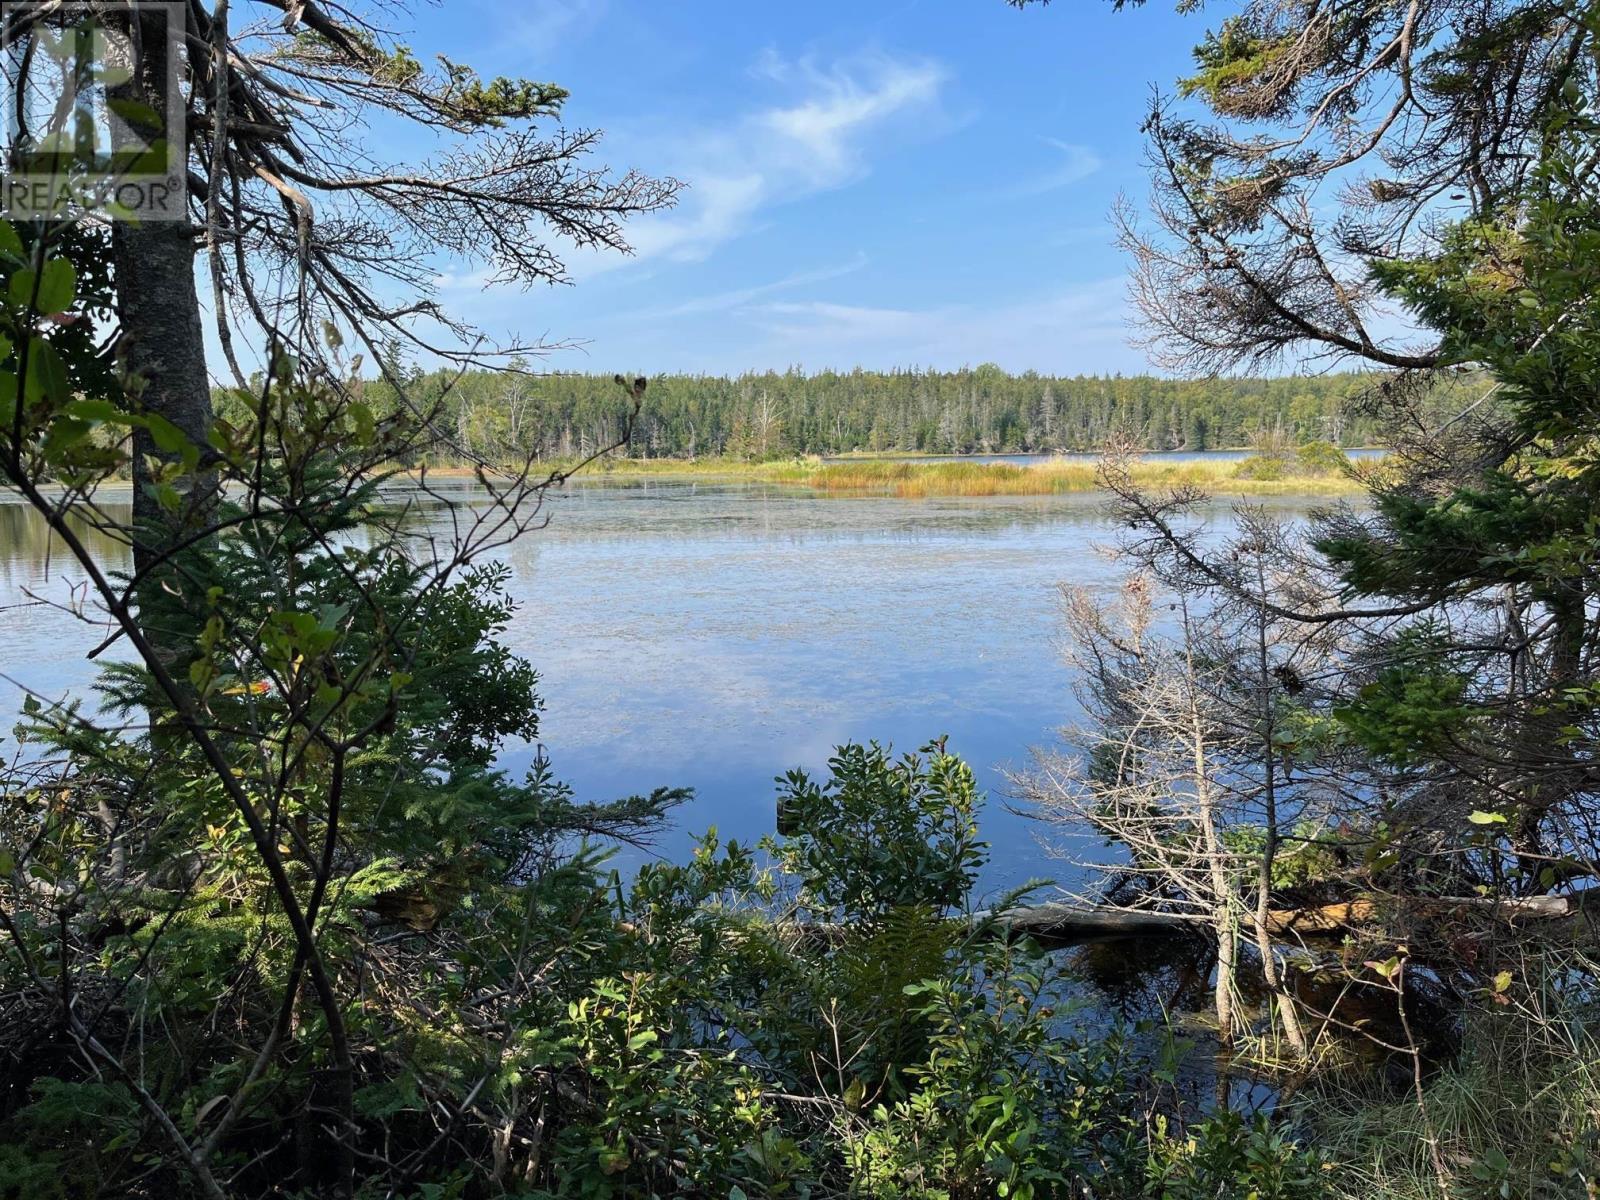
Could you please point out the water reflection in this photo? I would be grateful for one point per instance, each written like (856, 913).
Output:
(31, 554)
(47, 623)
(713, 635)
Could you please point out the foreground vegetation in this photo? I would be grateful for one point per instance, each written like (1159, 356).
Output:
(273, 922)
(279, 925)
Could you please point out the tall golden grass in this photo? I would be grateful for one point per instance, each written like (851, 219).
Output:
(957, 477)
(1053, 477)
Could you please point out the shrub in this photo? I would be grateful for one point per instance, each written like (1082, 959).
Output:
(1321, 458)
(1225, 1155)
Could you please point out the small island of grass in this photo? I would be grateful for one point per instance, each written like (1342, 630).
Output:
(1319, 469)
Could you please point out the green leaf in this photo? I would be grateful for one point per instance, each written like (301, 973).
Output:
(47, 375)
(135, 113)
(1479, 817)
(100, 412)
(58, 287)
(20, 289)
(365, 425)
(167, 436)
(169, 439)
(46, 293)
(65, 432)
(10, 243)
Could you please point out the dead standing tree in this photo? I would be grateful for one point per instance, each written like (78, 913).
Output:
(1346, 147)
(1194, 755)
(1315, 151)
(1146, 779)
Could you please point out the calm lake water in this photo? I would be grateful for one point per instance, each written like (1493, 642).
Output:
(714, 635)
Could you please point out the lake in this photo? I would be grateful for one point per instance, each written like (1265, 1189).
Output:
(714, 635)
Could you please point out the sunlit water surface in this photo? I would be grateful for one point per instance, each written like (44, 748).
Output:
(712, 636)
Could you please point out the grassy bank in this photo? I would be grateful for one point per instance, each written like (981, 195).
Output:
(1055, 477)
(963, 477)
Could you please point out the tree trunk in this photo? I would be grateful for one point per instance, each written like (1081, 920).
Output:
(162, 346)
(1269, 850)
(1225, 920)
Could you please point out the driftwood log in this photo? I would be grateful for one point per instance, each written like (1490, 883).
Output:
(1075, 924)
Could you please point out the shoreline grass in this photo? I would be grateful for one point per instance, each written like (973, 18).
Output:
(963, 477)
(1058, 477)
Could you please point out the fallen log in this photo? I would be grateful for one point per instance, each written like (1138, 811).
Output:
(1063, 923)
(1072, 924)
(1352, 914)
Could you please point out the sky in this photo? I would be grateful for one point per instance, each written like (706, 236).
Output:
(887, 184)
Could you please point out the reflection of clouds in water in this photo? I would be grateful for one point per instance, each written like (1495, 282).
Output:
(713, 635)
(813, 747)
(646, 699)
(777, 637)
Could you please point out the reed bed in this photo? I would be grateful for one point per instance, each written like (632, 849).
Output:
(957, 477)
(1050, 478)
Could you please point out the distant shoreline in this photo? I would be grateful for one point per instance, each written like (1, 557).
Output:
(926, 475)
(957, 475)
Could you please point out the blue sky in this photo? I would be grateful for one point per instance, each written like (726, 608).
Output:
(910, 182)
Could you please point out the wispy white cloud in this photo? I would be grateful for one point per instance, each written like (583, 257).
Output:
(816, 139)
(1082, 327)
(541, 26)
(464, 281)
(738, 297)
(1077, 163)
(819, 133)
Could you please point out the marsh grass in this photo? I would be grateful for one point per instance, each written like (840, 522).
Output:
(778, 471)
(1517, 1114)
(915, 479)
(1054, 477)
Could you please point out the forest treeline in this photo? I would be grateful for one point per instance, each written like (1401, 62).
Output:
(277, 919)
(982, 410)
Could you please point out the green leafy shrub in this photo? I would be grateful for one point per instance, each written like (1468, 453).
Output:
(1262, 468)
(882, 834)
(1225, 1155)
(1321, 458)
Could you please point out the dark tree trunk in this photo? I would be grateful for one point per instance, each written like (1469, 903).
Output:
(162, 346)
